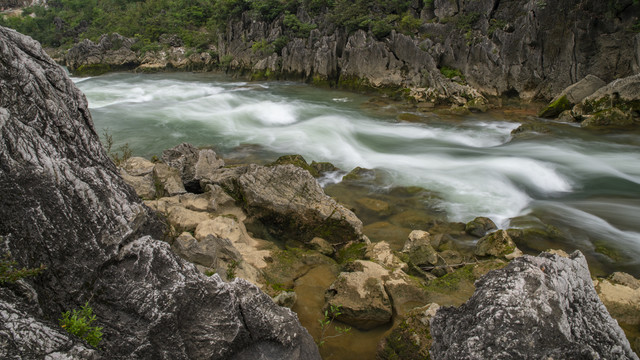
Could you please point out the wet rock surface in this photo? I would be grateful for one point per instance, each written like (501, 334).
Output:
(63, 204)
(536, 307)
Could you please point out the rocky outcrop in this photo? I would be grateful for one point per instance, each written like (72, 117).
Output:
(288, 198)
(112, 52)
(536, 307)
(193, 164)
(64, 205)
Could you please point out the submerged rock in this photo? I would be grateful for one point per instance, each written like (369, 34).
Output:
(63, 204)
(535, 308)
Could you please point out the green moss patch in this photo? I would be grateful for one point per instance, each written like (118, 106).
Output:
(555, 108)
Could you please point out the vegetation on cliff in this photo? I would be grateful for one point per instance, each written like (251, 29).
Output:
(197, 23)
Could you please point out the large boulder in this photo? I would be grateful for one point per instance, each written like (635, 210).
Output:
(192, 163)
(419, 250)
(535, 308)
(572, 95)
(63, 204)
(479, 226)
(361, 295)
(290, 200)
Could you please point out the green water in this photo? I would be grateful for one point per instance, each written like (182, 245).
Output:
(585, 184)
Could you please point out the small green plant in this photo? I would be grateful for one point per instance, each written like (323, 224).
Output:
(262, 47)
(450, 73)
(325, 323)
(78, 323)
(209, 272)
(9, 272)
(231, 269)
(124, 152)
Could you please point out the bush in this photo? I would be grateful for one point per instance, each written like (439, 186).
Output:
(79, 323)
(9, 272)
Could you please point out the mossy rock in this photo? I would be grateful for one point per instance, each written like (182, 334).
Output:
(323, 167)
(351, 252)
(556, 107)
(295, 160)
(609, 118)
(531, 128)
(359, 174)
(410, 340)
(285, 266)
(92, 70)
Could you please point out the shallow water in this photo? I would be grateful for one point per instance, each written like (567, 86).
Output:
(584, 183)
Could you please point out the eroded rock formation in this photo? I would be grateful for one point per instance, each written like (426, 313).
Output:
(63, 204)
(535, 308)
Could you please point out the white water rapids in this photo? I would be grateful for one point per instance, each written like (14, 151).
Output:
(585, 182)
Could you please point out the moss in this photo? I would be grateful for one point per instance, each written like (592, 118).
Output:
(263, 75)
(296, 160)
(402, 344)
(92, 70)
(609, 118)
(555, 108)
(351, 253)
(451, 281)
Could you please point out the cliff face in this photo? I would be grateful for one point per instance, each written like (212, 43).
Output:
(531, 49)
(528, 48)
(64, 205)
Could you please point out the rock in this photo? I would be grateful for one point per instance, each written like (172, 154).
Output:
(418, 247)
(381, 253)
(623, 93)
(405, 292)
(572, 95)
(296, 160)
(290, 200)
(535, 308)
(112, 52)
(192, 163)
(625, 279)
(137, 166)
(219, 198)
(498, 244)
(24, 336)
(359, 174)
(374, 205)
(206, 252)
(184, 219)
(193, 202)
(233, 230)
(286, 299)
(556, 107)
(321, 245)
(621, 295)
(411, 339)
(363, 301)
(144, 186)
(609, 118)
(323, 167)
(64, 205)
(168, 180)
(480, 226)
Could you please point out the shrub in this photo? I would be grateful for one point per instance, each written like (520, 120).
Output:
(78, 323)
(9, 272)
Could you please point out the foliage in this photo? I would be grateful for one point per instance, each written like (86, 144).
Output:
(450, 73)
(198, 22)
(297, 27)
(78, 323)
(231, 269)
(123, 153)
(9, 271)
(262, 47)
(325, 323)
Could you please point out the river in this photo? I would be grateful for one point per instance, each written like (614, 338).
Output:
(585, 184)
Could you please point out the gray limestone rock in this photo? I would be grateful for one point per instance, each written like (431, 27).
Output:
(193, 164)
(541, 307)
(63, 204)
(290, 200)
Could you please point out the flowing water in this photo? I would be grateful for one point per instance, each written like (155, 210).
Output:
(584, 184)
